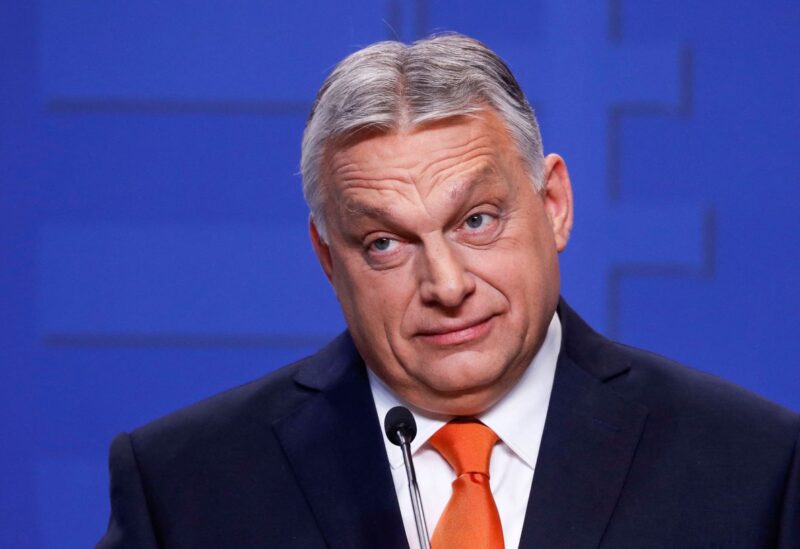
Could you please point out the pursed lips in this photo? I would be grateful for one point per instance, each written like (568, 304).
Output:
(456, 334)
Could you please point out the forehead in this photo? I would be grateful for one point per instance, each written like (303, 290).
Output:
(452, 150)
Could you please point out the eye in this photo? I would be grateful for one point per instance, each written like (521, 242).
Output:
(480, 228)
(478, 220)
(382, 244)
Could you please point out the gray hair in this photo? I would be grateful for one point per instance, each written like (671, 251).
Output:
(390, 85)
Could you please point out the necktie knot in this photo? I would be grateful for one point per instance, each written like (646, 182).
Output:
(466, 445)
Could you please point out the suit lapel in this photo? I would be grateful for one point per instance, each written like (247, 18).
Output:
(590, 437)
(334, 445)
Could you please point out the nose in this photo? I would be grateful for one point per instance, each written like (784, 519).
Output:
(443, 277)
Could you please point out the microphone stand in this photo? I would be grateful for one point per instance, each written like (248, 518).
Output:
(416, 499)
(401, 429)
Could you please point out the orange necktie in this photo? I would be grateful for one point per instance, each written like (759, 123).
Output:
(470, 519)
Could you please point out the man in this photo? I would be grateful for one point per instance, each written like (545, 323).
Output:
(438, 221)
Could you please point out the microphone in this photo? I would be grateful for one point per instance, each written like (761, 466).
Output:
(401, 429)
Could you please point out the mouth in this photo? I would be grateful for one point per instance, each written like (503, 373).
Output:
(458, 334)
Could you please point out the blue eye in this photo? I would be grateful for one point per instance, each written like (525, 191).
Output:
(476, 221)
(383, 244)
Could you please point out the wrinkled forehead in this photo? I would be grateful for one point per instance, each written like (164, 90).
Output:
(478, 142)
(375, 200)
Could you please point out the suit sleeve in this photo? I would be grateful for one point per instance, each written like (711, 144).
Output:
(129, 525)
(790, 516)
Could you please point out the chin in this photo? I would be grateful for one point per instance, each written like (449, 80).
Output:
(470, 373)
(469, 404)
(465, 397)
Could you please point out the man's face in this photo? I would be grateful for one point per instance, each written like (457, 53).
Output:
(444, 258)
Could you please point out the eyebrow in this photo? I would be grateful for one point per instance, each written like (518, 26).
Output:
(357, 208)
(483, 176)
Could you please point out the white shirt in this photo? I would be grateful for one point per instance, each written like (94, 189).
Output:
(518, 419)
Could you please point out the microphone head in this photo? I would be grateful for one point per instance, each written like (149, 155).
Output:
(400, 420)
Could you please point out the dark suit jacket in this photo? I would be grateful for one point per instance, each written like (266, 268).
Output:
(637, 452)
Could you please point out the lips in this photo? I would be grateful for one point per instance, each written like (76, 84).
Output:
(456, 334)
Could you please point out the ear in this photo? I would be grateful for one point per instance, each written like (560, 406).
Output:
(321, 248)
(557, 195)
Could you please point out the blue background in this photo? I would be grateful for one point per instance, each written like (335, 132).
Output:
(153, 245)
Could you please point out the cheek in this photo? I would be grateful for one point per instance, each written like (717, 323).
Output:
(512, 267)
(372, 299)
(521, 279)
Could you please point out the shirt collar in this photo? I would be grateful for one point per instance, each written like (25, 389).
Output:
(529, 398)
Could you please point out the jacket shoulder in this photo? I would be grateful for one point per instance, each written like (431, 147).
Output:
(673, 388)
(261, 401)
(255, 404)
(676, 393)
